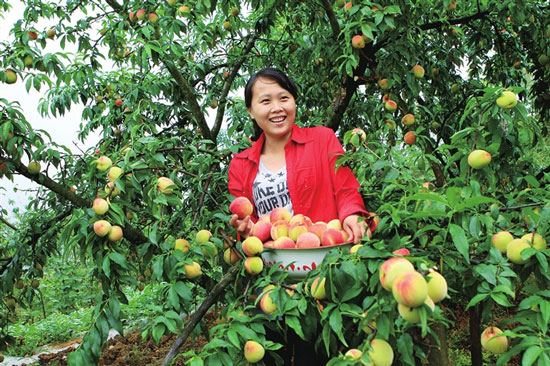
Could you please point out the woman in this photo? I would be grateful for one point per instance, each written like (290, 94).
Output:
(292, 167)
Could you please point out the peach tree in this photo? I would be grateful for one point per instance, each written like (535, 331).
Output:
(161, 83)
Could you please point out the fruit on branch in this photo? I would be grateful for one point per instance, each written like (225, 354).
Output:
(391, 268)
(111, 189)
(165, 185)
(227, 25)
(318, 288)
(119, 102)
(241, 206)
(193, 270)
(384, 84)
(514, 249)
(452, 5)
(252, 246)
(536, 240)
(390, 105)
(234, 11)
(50, 33)
(380, 352)
(153, 18)
(478, 159)
(34, 167)
(27, 61)
(455, 88)
(100, 206)
(182, 244)
(253, 265)
(103, 163)
(543, 59)
(102, 228)
(408, 119)
(203, 236)
(402, 251)
(359, 135)
(114, 173)
(501, 239)
(209, 249)
(507, 99)
(253, 351)
(358, 41)
(348, 5)
(10, 76)
(409, 138)
(33, 35)
(437, 286)
(391, 124)
(353, 354)
(266, 303)
(115, 234)
(140, 14)
(230, 256)
(35, 283)
(132, 16)
(410, 289)
(412, 315)
(308, 240)
(493, 343)
(184, 9)
(418, 71)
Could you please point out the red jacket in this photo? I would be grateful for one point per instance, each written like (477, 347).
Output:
(315, 189)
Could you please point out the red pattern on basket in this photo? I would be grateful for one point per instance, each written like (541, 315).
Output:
(294, 267)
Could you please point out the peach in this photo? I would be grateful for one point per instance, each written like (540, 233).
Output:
(241, 207)
(353, 354)
(391, 268)
(100, 206)
(492, 342)
(284, 242)
(253, 351)
(536, 240)
(478, 159)
(501, 239)
(390, 105)
(34, 167)
(230, 256)
(412, 315)
(507, 99)
(203, 236)
(296, 229)
(115, 234)
(409, 138)
(318, 228)
(318, 288)
(209, 249)
(262, 229)
(334, 224)
(514, 249)
(165, 185)
(384, 84)
(357, 41)
(332, 237)
(300, 218)
(280, 213)
(418, 71)
(114, 173)
(266, 303)
(265, 217)
(437, 286)
(408, 119)
(270, 244)
(402, 251)
(192, 270)
(181, 244)
(410, 289)
(279, 229)
(355, 248)
(308, 240)
(103, 163)
(102, 227)
(380, 353)
(111, 189)
(252, 246)
(253, 265)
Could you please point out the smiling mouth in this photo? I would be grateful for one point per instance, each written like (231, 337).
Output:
(277, 119)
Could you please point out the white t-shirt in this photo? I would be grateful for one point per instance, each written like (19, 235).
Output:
(270, 190)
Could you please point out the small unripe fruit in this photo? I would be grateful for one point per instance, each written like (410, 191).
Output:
(11, 77)
(479, 159)
(353, 354)
(408, 119)
(495, 345)
(234, 11)
(253, 351)
(514, 249)
(102, 227)
(203, 236)
(253, 265)
(418, 71)
(507, 100)
(358, 42)
(165, 184)
(34, 167)
(50, 33)
(501, 239)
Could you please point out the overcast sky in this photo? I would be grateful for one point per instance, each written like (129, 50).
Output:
(63, 129)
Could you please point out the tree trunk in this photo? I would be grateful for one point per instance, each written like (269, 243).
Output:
(475, 337)
(439, 355)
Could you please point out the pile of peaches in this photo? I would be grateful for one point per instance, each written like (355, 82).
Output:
(281, 230)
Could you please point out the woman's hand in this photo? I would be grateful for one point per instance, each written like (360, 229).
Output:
(243, 227)
(355, 228)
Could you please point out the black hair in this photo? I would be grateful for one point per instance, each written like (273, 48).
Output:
(277, 76)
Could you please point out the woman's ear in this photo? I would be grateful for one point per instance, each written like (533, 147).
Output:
(250, 112)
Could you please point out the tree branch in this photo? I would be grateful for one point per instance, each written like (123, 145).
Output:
(7, 223)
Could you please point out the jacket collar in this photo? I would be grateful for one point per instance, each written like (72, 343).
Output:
(299, 136)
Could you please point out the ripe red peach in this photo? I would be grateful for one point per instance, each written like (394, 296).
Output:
(491, 342)
(391, 268)
(269, 244)
(241, 207)
(280, 213)
(253, 265)
(284, 242)
(296, 229)
(409, 138)
(332, 236)
(318, 228)
(410, 289)
(262, 229)
(308, 240)
(300, 218)
(402, 251)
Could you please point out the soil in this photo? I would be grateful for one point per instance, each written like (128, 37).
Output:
(133, 350)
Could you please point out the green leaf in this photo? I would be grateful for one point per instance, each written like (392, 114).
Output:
(335, 322)
(460, 241)
(476, 300)
(530, 355)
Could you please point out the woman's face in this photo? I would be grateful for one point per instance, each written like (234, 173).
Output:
(273, 108)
